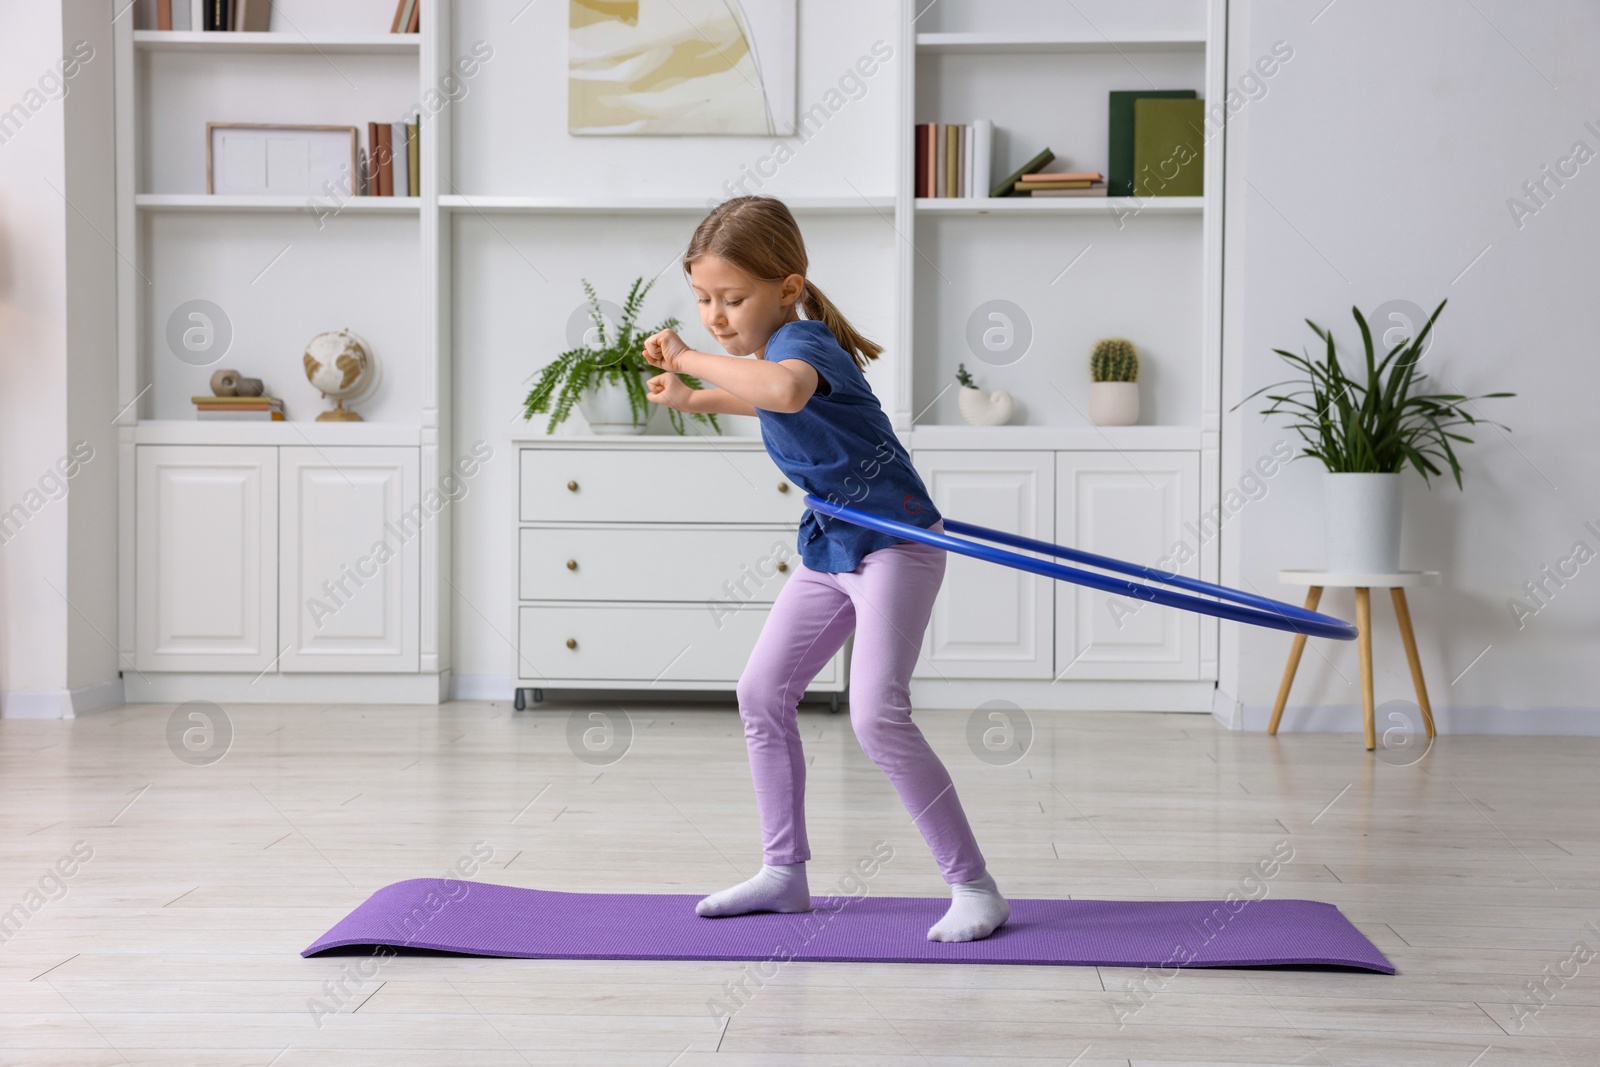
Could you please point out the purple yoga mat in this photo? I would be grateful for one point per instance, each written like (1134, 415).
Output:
(481, 919)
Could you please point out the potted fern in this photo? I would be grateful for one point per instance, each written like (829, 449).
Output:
(1114, 393)
(607, 382)
(1366, 431)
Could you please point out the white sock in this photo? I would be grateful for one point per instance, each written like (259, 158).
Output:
(780, 888)
(976, 910)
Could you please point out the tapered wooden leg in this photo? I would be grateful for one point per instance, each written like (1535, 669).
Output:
(1364, 639)
(1313, 598)
(1402, 612)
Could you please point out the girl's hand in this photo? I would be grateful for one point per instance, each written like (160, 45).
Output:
(668, 389)
(662, 350)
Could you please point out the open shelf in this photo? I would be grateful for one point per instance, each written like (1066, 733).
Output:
(557, 205)
(200, 202)
(277, 42)
(1055, 205)
(1077, 438)
(991, 43)
(263, 432)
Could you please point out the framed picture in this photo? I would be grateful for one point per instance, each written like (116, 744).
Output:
(681, 67)
(259, 159)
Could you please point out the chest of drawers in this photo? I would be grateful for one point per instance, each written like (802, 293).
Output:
(650, 563)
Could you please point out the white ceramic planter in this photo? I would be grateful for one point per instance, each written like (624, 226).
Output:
(605, 405)
(1113, 403)
(1361, 522)
(979, 409)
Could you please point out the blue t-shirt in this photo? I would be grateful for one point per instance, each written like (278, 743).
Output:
(840, 448)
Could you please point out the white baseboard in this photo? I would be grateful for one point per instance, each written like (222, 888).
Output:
(62, 703)
(1033, 695)
(1348, 718)
(480, 687)
(1227, 710)
(175, 687)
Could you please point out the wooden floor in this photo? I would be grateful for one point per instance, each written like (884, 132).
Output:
(177, 940)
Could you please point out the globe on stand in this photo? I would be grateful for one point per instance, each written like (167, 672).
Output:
(340, 365)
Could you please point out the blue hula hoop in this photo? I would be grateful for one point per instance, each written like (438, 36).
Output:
(1234, 604)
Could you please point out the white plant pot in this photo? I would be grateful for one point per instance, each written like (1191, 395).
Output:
(1113, 403)
(605, 405)
(981, 410)
(1361, 522)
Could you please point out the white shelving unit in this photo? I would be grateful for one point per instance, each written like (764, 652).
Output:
(1079, 269)
(468, 287)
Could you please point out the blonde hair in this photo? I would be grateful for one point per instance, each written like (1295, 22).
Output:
(758, 235)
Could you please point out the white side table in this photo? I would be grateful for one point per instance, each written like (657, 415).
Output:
(1363, 584)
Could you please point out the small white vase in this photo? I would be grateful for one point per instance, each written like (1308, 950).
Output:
(981, 410)
(1113, 403)
(1361, 523)
(605, 405)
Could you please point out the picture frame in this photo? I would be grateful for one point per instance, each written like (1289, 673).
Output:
(271, 159)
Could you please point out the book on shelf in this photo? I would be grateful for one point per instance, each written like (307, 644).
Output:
(237, 401)
(1063, 176)
(1093, 190)
(952, 159)
(1168, 147)
(1119, 149)
(1007, 185)
(1027, 187)
(238, 407)
(242, 415)
(392, 163)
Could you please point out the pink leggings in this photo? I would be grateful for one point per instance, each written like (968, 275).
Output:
(886, 602)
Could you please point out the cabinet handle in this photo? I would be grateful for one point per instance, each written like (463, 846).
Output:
(783, 566)
(783, 487)
(573, 486)
(572, 564)
(572, 642)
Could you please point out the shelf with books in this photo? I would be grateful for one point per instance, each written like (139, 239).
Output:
(276, 41)
(201, 202)
(1120, 206)
(1011, 43)
(558, 205)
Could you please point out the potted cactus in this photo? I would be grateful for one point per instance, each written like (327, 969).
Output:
(976, 408)
(1114, 393)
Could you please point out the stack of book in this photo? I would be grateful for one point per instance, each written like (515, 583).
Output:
(393, 162)
(239, 407)
(1060, 183)
(254, 16)
(953, 160)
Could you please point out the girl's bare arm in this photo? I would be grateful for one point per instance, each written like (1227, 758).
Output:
(717, 402)
(783, 386)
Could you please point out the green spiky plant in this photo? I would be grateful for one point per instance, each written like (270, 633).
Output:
(1376, 424)
(1114, 360)
(964, 378)
(621, 358)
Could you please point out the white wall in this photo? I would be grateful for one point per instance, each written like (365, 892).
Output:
(1377, 166)
(57, 298)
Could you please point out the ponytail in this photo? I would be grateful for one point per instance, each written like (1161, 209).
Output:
(817, 306)
(759, 235)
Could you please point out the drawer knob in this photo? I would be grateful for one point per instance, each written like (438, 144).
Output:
(572, 564)
(573, 486)
(783, 487)
(783, 566)
(572, 642)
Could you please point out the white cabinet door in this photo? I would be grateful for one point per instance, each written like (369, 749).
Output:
(350, 583)
(205, 558)
(990, 621)
(1140, 507)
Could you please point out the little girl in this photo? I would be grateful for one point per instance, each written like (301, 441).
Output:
(824, 429)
